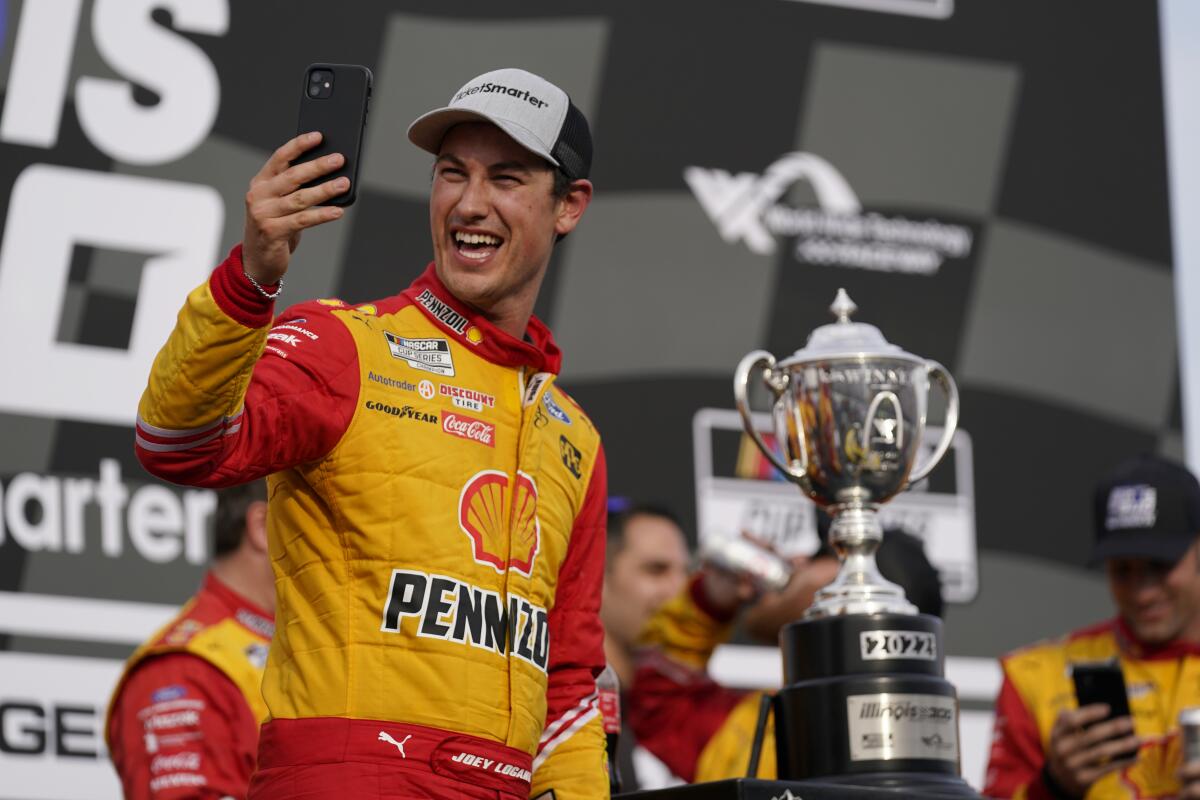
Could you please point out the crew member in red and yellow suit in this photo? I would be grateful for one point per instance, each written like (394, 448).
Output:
(183, 722)
(1037, 687)
(437, 502)
(1147, 516)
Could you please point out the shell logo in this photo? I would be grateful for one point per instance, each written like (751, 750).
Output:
(489, 514)
(368, 309)
(474, 335)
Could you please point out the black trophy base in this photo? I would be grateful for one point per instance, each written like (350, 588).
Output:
(932, 786)
(865, 696)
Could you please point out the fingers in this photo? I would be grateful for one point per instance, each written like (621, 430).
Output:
(1082, 717)
(1072, 733)
(287, 153)
(285, 228)
(1083, 748)
(1189, 776)
(1102, 753)
(1089, 776)
(275, 207)
(1102, 731)
(294, 177)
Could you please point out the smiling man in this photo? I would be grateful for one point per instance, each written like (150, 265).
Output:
(1147, 516)
(437, 502)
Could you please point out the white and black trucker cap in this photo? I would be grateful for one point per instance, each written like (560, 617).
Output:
(538, 115)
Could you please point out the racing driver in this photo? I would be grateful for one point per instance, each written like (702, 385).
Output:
(437, 502)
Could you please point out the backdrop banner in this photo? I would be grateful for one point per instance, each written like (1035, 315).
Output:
(988, 181)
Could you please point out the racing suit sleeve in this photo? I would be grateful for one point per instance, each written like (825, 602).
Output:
(676, 710)
(571, 759)
(180, 729)
(230, 399)
(1016, 760)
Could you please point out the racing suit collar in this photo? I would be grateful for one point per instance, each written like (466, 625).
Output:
(1175, 648)
(247, 613)
(468, 326)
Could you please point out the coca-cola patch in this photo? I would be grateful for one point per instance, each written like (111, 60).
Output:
(465, 427)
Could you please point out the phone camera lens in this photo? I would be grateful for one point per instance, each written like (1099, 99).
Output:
(320, 83)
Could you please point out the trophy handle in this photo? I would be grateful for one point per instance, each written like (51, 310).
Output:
(948, 428)
(777, 383)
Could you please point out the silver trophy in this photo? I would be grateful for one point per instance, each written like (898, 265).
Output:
(849, 413)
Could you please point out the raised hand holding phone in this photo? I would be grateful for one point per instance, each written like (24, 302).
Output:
(1088, 742)
(278, 208)
(306, 181)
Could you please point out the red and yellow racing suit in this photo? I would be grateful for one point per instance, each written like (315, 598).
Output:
(1037, 686)
(436, 525)
(701, 730)
(183, 721)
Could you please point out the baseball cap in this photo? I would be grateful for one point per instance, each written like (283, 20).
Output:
(538, 115)
(1149, 507)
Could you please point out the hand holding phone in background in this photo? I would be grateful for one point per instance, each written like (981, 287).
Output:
(1088, 742)
(308, 180)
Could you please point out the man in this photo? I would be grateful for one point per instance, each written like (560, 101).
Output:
(437, 501)
(702, 730)
(646, 564)
(1147, 515)
(183, 722)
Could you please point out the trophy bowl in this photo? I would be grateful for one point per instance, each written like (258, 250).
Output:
(849, 415)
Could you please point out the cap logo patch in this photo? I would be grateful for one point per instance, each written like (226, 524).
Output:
(495, 88)
(1131, 507)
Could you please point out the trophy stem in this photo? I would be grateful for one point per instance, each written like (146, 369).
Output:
(859, 588)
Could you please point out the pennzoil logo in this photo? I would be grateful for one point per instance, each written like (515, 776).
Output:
(491, 511)
(456, 611)
(446, 315)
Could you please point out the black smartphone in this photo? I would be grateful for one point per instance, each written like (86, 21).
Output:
(334, 100)
(1102, 682)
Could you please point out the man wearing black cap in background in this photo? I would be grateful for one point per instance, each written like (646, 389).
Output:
(437, 502)
(1147, 517)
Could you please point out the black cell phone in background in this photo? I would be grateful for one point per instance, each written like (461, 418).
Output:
(1102, 682)
(334, 100)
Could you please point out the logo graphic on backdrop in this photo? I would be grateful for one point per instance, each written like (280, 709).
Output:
(838, 232)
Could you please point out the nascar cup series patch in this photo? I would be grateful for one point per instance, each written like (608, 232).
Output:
(431, 355)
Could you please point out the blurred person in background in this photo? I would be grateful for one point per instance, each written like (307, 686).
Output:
(1147, 516)
(184, 718)
(702, 730)
(646, 564)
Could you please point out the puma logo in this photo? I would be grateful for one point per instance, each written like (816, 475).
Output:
(384, 737)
